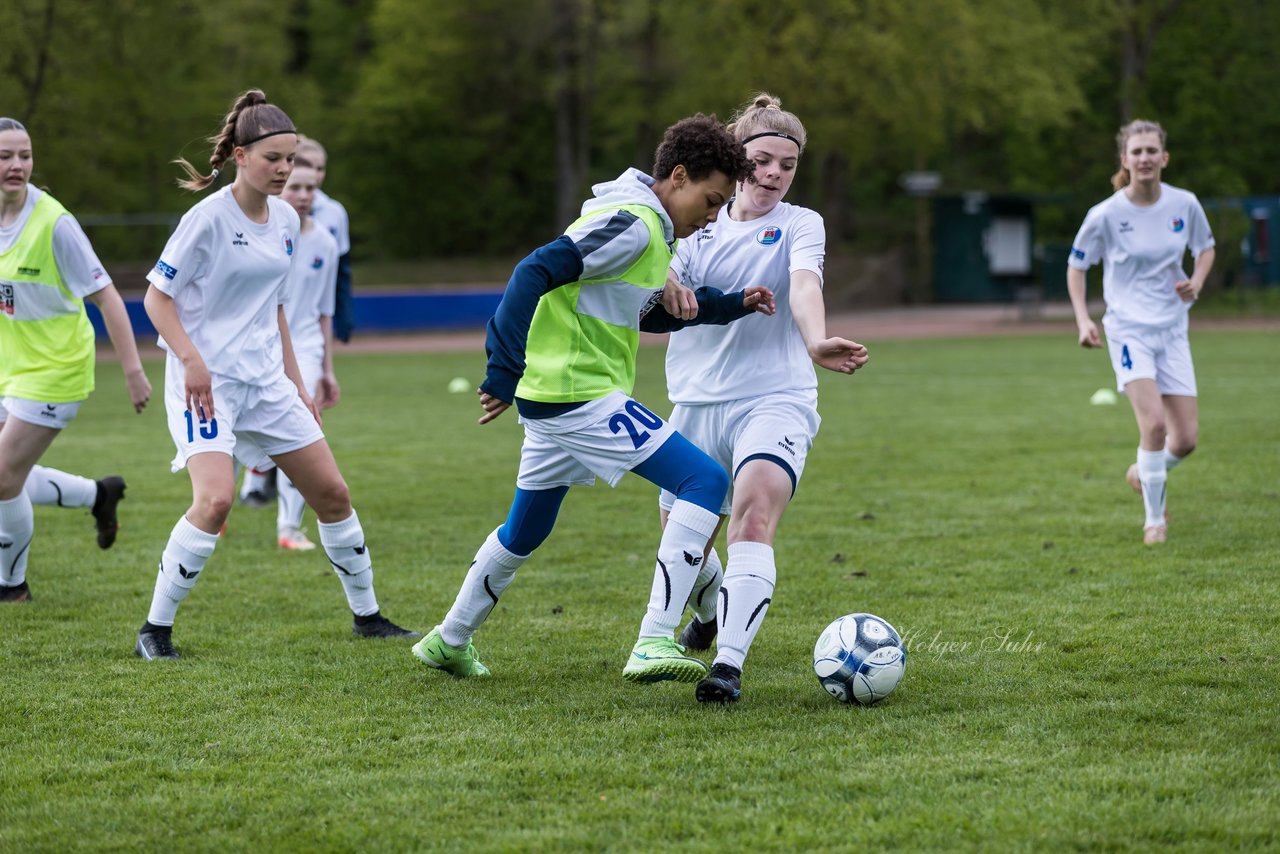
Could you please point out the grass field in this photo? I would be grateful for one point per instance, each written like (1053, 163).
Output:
(1066, 688)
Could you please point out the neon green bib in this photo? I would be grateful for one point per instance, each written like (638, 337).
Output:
(46, 340)
(584, 335)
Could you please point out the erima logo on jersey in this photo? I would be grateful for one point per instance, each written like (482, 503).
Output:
(768, 235)
(239, 239)
(1177, 224)
(317, 262)
(288, 245)
(1125, 226)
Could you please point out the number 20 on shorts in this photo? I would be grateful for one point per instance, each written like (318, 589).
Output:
(632, 414)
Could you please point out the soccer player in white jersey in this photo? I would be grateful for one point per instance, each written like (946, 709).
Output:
(259, 485)
(232, 384)
(309, 313)
(747, 394)
(562, 348)
(1140, 235)
(47, 269)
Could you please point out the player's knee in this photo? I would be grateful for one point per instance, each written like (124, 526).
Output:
(710, 482)
(213, 507)
(333, 500)
(1155, 432)
(1182, 446)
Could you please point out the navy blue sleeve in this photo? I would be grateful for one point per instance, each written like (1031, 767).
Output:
(507, 333)
(714, 306)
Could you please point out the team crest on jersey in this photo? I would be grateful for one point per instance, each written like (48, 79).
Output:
(1177, 224)
(769, 235)
(288, 245)
(317, 262)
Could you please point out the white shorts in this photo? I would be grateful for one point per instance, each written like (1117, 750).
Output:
(251, 422)
(606, 438)
(781, 425)
(311, 366)
(1151, 353)
(54, 415)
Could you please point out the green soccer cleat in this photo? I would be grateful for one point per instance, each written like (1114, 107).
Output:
(661, 660)
(434, 652)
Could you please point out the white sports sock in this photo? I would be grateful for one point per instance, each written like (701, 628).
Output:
(1153, 474)
(492, 570)
(744, 599)
(17, 527)
(255, 480)
(1170, 461)
(344, 544)
(689, 527)
(184, 557)
(290, 504)
(706, 589)
(58, 489)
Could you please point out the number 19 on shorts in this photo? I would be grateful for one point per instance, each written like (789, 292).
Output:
(208, 426)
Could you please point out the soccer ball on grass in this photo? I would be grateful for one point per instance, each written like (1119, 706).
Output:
(859, 659)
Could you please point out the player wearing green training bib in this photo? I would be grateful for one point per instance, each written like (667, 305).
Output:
(562, 348)
(47, 269)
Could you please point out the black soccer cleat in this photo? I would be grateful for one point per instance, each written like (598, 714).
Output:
(377, 626)
(110, 494)
(698, 635)
(155, 642)
(15, 594)
(722, 685)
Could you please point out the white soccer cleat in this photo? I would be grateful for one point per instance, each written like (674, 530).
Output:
(294, 540)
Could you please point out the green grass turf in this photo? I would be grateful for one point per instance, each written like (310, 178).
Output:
(1066, 688)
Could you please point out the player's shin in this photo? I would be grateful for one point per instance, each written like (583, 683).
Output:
(183, 560)
(491, 571)
(345, 546)
(17, 526)
(706, 589)
(689, 527)
(745, 595)
(1153, 475)
(54, 488)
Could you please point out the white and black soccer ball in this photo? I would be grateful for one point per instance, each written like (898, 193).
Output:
(859, 659)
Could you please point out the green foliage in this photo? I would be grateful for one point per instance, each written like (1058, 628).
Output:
(1066, 688)
(446, 131)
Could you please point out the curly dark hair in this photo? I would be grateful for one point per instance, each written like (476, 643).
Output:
(702, 145)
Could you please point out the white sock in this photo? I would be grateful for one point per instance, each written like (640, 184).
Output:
(744, 599)
(58, 489)
(689, 527)
(344, 544)
(255, 480)
(1153, 474)
(17, 527)
(1170, 461)
(184, 557)
(492, 570)
(706, 589)
(290, 504)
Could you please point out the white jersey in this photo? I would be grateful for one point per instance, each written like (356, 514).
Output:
(757, 354)
(330, 213)
(312, 285)
(228, 276)
(1141, 250)
(78, 264)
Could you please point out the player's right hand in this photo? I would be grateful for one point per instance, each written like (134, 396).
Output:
(1089, 335)
(679, 301)
(493, 407)
(199, 387)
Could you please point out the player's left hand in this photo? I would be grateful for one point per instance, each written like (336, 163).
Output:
(839, 354)
(760, 298)
(1187, 290)
(492, 406)
(311, 406)
(679, 301)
